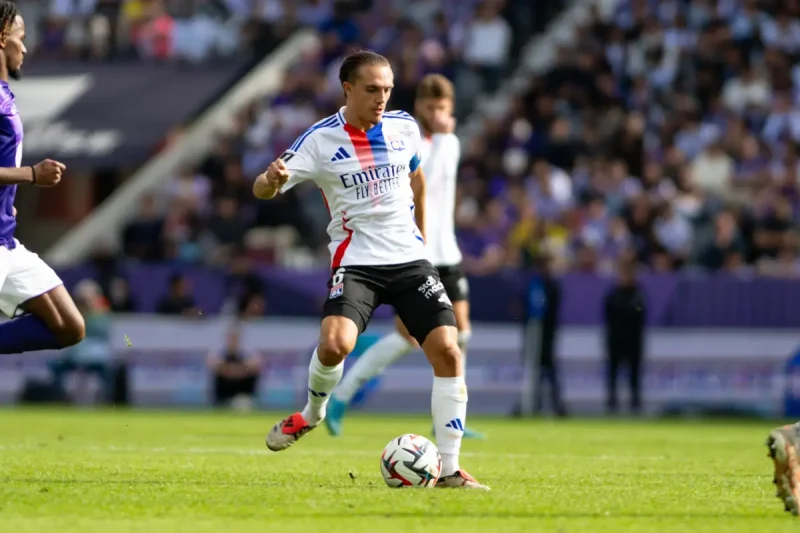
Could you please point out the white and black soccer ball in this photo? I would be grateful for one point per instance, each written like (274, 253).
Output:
(411, 461)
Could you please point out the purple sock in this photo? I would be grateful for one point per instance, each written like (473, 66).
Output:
(26, 334)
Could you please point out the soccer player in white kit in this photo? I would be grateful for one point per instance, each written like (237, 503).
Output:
(366, 164)
(441, 154)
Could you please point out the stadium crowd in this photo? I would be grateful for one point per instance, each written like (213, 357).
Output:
(192, 31)
(668, 133)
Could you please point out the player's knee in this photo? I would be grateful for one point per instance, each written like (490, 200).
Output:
(70, 331)
(441, 347)
(334, 348)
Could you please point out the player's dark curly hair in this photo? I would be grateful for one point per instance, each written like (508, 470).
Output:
(8, 14)
(349, 69)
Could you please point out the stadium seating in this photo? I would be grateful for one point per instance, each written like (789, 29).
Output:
(146, 30)
(669, 132)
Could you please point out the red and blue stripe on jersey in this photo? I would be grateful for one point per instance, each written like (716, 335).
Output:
(370, 146)
(371, 151)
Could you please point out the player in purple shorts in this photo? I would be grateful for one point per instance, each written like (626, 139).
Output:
(46, 316)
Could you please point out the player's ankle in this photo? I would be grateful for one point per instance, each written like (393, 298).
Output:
(313, 415)
(449, 464)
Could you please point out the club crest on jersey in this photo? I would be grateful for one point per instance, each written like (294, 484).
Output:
(396, 143)
(336, 291)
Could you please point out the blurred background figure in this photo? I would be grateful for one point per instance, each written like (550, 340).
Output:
(234, 373)
(93, 356)
(625, 317)
(543, 305)
(179, 299)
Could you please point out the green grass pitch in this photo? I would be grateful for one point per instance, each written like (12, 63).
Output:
(65, 471)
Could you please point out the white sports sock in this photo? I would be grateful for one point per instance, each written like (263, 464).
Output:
(372, 362)
(321, 381)
(449, 409)
(463, 341)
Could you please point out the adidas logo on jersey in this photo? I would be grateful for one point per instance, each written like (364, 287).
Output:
(340, 155)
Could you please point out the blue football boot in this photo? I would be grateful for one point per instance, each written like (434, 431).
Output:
(334, 415)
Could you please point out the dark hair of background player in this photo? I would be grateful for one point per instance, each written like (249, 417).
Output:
(348, 72)
(8, 14)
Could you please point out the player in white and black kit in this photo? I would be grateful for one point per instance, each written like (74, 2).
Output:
(366, 164)
(441, 154)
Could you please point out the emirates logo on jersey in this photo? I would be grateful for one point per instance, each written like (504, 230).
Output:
(374, 183)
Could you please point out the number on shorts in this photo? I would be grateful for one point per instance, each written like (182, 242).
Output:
(286, 156)
(338, 277)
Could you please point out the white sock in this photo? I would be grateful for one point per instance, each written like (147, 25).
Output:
(449, 408)
(372, 362)
(463, 341)
(321, 381)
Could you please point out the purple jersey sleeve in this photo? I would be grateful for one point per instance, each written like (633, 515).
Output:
(10, 156)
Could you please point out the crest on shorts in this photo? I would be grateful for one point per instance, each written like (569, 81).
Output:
(336, 291)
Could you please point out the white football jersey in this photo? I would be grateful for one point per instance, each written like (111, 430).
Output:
(364, 180)
(441, 154)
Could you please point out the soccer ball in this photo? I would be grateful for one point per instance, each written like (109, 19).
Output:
(411, 461)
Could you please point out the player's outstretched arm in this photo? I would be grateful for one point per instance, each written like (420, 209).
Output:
(270, 182)
(46, 173)
(418, 187)
(16, 175)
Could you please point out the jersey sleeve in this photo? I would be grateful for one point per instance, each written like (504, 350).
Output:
(301, 160)
(416, 159)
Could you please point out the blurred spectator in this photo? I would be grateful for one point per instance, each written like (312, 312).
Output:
(625, 317)
(674, 233)
(774, 230)
(542, 325)
(725, 247)
(712, 171)
(749, 89)
(227, 227)
(245, 289)
(141, 237)
(155, 37)
(120, 298)
(235, 374)
(179, 299)
(486, 47)
(94, 354)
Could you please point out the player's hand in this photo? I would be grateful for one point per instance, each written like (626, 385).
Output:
(277, 174)
(13, 211)
(443, 123)
(47, 173)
